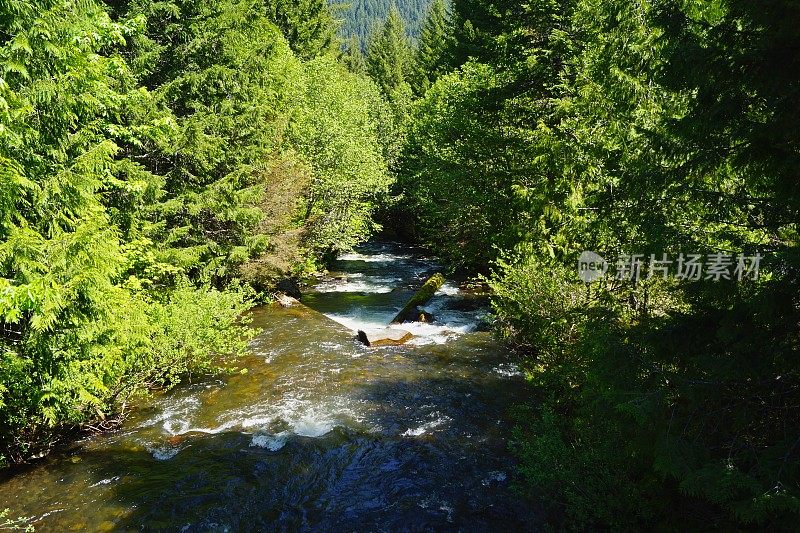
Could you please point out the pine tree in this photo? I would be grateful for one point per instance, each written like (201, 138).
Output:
(429, 61)
(388, 55)
(307, 24)
(353, 57)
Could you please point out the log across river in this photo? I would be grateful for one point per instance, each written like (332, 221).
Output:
(322, 433)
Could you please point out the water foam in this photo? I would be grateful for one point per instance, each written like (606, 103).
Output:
(373, 258)
(163, 453)
(272, 443)
(428, 426)
(508, 370)
(358, 283)
(449, 289)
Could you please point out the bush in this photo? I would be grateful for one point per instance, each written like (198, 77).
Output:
(87, 367)
(676, 413)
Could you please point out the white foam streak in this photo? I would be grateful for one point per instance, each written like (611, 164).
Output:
(272, 443)
(359, 283)
(373, 258)
(424, 428)
(448, 289)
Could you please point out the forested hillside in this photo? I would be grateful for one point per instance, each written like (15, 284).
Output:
(163, 162)
(360, 17)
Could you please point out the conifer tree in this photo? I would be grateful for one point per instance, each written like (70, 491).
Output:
(149, 150)
(306, 24)
(353, 57)
(429, 60)
(388, 55)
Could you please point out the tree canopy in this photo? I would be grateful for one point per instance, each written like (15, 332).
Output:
(164, 164)
(659, 129)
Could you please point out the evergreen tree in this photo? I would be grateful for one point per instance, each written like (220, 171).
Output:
(148, 162)
(307, 24)
(429, 60)
(79, 331)
(388, 54)
(353, 57)
(359, 17)
(653, 127)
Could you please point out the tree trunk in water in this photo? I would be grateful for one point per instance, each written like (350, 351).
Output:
(420, 298)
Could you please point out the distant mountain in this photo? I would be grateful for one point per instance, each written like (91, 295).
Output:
(359, 16)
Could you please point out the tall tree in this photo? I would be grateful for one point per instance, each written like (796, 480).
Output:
(653, 127)
(388, 55)
(429, 60)
(307, 24)
(353, 57)
(148, 151)
(78, 329)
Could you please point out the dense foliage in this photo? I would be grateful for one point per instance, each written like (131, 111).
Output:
(431, 57)
(658, 127)
(359, 18)
(389, 54)
(159, 160)
(163, 162)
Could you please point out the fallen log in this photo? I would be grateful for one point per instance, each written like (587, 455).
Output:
(420, 298)
(384, 337)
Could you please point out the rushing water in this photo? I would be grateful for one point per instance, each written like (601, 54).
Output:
(320, 434)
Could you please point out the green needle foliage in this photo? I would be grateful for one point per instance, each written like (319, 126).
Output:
(308, 25)
(158, 161)
(389, 54)
(353, 57)
(430, 59)
(647, 127)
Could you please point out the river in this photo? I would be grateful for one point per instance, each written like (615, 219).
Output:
(320, 434)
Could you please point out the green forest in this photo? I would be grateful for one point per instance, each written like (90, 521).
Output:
(359, 18)
(163, 164)
(167, 165)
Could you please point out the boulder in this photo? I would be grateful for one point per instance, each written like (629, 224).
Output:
(424, 316)
(384, 337)
(287, 301)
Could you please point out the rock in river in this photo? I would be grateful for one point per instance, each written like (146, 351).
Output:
(384, 337)
(286, 301)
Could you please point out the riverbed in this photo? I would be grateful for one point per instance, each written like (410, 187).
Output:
(321, 433)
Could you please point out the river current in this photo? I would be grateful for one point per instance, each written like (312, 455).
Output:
(320, 434)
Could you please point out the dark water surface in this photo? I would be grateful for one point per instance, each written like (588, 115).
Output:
(321, 434)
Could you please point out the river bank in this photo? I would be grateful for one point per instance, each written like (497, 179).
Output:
(320, 432)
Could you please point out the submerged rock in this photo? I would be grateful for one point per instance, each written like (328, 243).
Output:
(385, 337)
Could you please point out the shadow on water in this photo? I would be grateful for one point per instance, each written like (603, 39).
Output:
(321, 434)
(434, 458)
(417, 473)
(454, 478)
